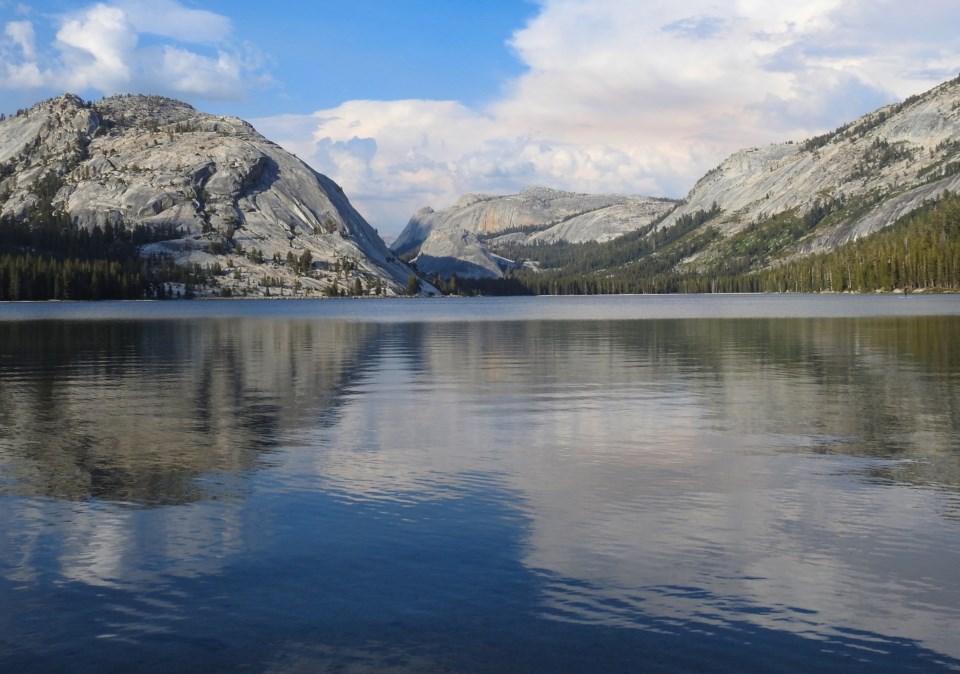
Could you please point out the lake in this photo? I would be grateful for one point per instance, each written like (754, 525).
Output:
(605, 484)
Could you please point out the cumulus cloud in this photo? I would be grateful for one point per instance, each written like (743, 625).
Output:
(617, 95)
(170, 19)
(192, 73)
(98, 48)
(621, 96)
(18, 67)
(20, 33)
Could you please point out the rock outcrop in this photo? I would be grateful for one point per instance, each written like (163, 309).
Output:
(457, 252)
(536, 214)
(879, 167)
(762, 205)
(233, 197)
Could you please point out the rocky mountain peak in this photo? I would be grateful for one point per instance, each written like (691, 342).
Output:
(761, 206)
(878, 167)
(232, 197)
(544, 194)
(146, 107)
(535, 214)
(467, 200)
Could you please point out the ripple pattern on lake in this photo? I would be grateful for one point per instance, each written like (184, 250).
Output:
(344, 493)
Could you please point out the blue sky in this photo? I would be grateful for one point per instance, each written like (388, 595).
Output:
(411, 103)
(302, 57)
(324, 53)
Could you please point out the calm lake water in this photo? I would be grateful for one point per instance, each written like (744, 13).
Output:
(704, 484)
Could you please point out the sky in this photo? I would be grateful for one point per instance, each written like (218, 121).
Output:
(412, 103)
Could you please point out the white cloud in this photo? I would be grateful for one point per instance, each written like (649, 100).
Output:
(18, 67)
(173, 20)
(192, 73)
(21, 34)
(22, 75)
(98, 48)
(622, 96)
(618, 95)
(395, 157)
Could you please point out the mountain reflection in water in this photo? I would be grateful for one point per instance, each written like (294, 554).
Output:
(138, 412)
(310, 494)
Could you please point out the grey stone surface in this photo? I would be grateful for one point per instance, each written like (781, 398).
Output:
(535, 214)
(923, 135)
(883, 165)
(230, 192)
(450, 252)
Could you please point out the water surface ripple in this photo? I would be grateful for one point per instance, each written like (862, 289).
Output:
(578, 484)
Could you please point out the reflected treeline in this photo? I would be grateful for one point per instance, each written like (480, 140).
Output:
(138, 411)
(665, 467)
(883, 387)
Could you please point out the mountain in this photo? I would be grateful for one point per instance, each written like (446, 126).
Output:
(212, 193)
(228, 198)
(459, 240)
(812, 215)
(853, 181)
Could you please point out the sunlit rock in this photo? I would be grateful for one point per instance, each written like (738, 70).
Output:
(233, 197)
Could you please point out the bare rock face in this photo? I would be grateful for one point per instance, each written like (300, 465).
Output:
(840, 186)
(605, 224)
(535, 214)
(456, 252)
(886, 163)
(233, 197)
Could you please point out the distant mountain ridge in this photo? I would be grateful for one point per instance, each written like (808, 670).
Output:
(267, 224)
(869, 172)
(760, 208)
(458, 240)
(234, 198)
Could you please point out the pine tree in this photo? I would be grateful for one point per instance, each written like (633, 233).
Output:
(413, 285)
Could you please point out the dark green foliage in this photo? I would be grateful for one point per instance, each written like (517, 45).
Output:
(860, 127)
(850, 130)
(485, 286)
(640, 262)
(46, 256)
(652, 273)
(921, 250)
(880, 154)
(345, 264)
(940, 171)
(407, 255)
(754, 246)
(413, 285)
(524, 229)
(583, 258)
(637, 262)
(304, 263)
(185, 127)
(76, 264)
